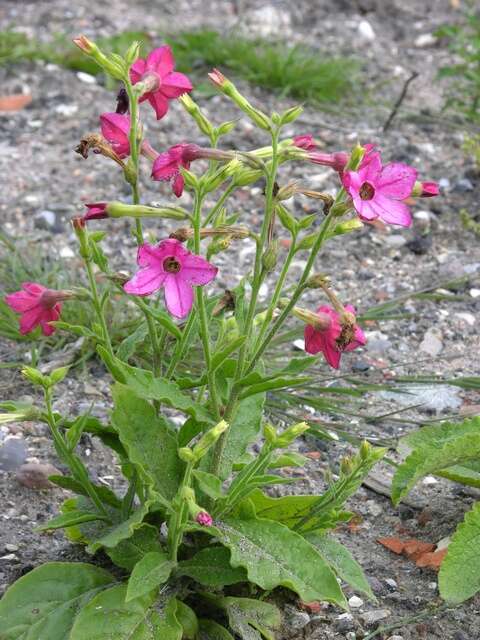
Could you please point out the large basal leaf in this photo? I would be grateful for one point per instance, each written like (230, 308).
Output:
(274, 555)
(188, 620)
(243, 430)
(128, 552)
(251, 619)
(459, 577)
(144, 384)
(110, 536)
(342, 562)
(149, 572)
(109, 617)
(427, 459)
(43, 604)
(211, 567)
(467, 473)
(150, 443)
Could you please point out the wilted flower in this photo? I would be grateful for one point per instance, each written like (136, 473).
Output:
(306, 142)
(377, 191)
(96, 211)
(162, 83)
(116, 128)
(38, 306)
(341, 334)
(171, 266)
(122, 101)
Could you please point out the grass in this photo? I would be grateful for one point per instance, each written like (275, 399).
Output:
(299, 72)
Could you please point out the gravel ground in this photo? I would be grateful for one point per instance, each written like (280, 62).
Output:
(41, 173)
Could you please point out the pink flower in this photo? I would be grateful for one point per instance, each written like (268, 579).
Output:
(116, 128)
(163, 82)
(205, 519)
(306, 142)
(167, 165)
(377, 191)
(171, 266)
(96, 211)
(342, 334)
(38, 306)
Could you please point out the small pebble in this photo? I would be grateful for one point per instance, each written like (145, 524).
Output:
(87, 78)
(355, 602)
(391, 583)
(431, 343)
(372, 617)
(425, 40)
(475, 293)
(395, 638)
(366, 31)
(429, 480)
(10, 557)
(35, 475)
(11, 548)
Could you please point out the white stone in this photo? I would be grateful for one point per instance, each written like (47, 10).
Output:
(299, 344)
(9, 557)
(475, 293)
(365, 31)
(432, 585)
(395, 638)
(391, 583)
(430, 480)
(66, 252)
(11, 547)
(469, 318)
(423, 216)
(443, 543)
(355, 602)
(431, 343)
(66, 110)
(87, 78)
(425, 40)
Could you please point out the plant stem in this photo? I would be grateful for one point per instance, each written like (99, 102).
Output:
(98, 305)
(202, 312)
(76, 467)
(176, 523)
(214, 210)
(180, 348)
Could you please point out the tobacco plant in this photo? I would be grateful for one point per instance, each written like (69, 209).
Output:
(198, 542)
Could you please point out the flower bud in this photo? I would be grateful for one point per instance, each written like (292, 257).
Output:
(36, 377)
(270, 434)
(356, 157)
(117, 209)
(346, 466)
(365, 450)
(209, 439)
(59, 374)
(247, 176)
(317, 281)
(270, 257)
(204, 519)
(132, 53)
(225, 172)
(425, 189)
(291, 434)
(319, 321)
(21, 415)
(290, 115)
(114, 65)
(226, 127)
(78, 224)
(186, 454)
(192, 108)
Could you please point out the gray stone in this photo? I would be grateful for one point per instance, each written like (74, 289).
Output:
(295, 619)
(35, 475)
(463, 185)
(12, 454)
(344, 622)
(375, 615)
(431, 343)
(395, 241)
(48, 221)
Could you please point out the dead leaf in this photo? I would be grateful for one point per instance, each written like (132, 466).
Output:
(15, 102)
(432, 560)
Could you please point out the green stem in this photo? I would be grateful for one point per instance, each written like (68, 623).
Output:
(202, 312)
(176, 524)
(76, 467)
(276, 294)
(256, 283)
(298, 290)
(180, 348)
(223, 198)
(134, 155)
(97, 305)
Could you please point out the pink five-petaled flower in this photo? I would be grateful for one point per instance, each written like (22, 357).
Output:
(167, 165)
(377, 191)
(96, 211)
(205, 519)
(38, 306)
(166, 84)
(340, 334)
(116, 128)
(171, 266)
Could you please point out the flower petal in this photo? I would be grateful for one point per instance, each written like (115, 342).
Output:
(30, 319)
(391, 211)
(178, 185)
(21, 301)
(159, 102)
(175, 84)
(137, 70)
(314, 340)
(370, 167)
(145, 281)
(161, 60)
(50, 315)
(147, 256)
(396, 180)
(178, 296)
(196, 270)
(332, 354)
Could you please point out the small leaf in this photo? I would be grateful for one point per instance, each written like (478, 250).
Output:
(153, 569)
(187, 619)
(128, 552)
(74, 432)
(43, 604)
(211, 630)
(219, 357)
(104, 493)
(130, 344)
(209, 484)
(249, 618)
(211, 567)
(276, 383)
(459, 577)
(70, 519)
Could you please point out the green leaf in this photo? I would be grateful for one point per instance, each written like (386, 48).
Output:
(150, 443)
(43, 604)
(219, 357)
(467, 473)
(274, 555)
(342, 562)
(288, 459)
(111, 535)
(129, 345)
(244, 429)
(459, 577)
(146, 385)
(288, 510)
(249, 618)
(209, 484)
(167, 323)
(104, 493)
(211, 630)
(211, 567)
(108, 616)
(440, 434)
(128, 552)
(74, 432)
(70, 519)
(76, 329)
(149, 572)
(430, 459)
(276, 383)
(187, 619)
